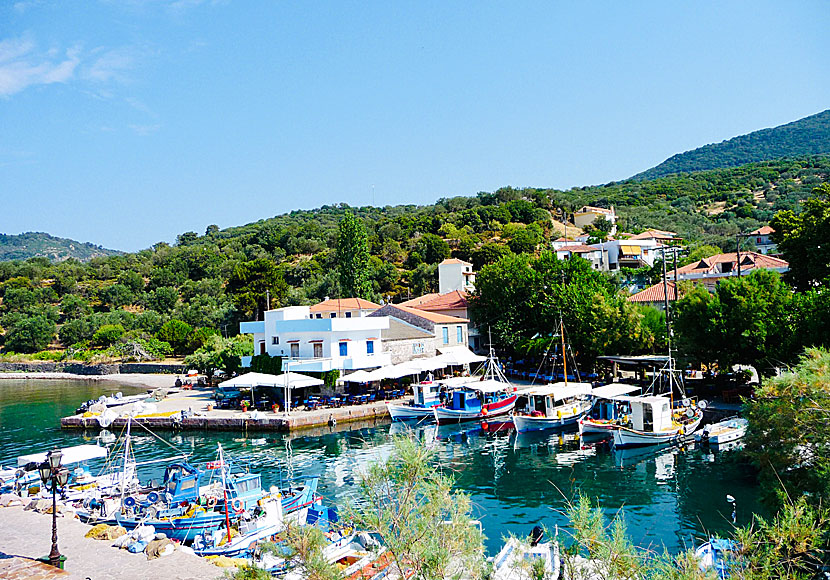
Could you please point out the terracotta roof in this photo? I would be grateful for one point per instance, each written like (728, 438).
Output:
(649, 234)
(654, 293)
(763, 231)
(341, 304)
(431, 316)
(415, 302)
(455, 261)
(456, 299)
(592, 209)
(749, 260)
(578, 249)
(564, 240)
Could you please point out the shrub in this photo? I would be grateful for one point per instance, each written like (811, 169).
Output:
(108, 334)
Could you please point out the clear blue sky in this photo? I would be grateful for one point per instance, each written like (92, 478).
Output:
(126, 122)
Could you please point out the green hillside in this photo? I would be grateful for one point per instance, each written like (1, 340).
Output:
(42, 245)
(807, 136)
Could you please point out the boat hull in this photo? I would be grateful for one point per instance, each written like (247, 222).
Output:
(625, 437)
(526, 423)
(597, 428)
(723, 432)
(181, 529)
(445, 416)
(409, 412)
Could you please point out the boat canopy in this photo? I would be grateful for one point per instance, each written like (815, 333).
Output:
(560, 390)
(69, 455)
(487, 386)
(613, 390)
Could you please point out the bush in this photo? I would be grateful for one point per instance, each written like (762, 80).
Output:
(30, 334)
(76, 331)
(108, 335)
(177, 334)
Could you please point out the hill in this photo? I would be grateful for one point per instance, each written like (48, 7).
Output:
(42, 245)
(807, 136)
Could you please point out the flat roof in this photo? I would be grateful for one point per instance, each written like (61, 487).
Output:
(560, 390)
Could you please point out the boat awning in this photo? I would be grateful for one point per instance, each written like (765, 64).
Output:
(613, 390)
(488, 386)
(643, 361)
(560, 390)
(459, 355)
(69, 455)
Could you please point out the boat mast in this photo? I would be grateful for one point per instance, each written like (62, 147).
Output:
(564, 357)
(224, 491)
(668, 327)
(126, 458)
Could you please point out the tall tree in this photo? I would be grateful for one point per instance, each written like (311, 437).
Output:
(353, 258)
(251, 282)
(804, 239)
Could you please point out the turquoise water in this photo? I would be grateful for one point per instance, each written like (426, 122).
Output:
(671, 497)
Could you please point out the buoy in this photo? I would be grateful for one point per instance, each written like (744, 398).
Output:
(237, 506)
(484, 411)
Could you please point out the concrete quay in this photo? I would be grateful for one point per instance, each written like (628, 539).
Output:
(197, 405)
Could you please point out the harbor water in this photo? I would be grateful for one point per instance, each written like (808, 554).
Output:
(670, 498)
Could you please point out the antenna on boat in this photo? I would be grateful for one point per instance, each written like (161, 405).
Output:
(126, 458)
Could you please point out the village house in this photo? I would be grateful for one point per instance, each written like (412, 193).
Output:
(763, 240)
(587, 214)
(415, 333)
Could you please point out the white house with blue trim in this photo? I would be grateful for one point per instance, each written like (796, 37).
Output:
(318, 344)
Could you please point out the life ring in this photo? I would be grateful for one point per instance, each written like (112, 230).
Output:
(237, 506)
(211, 502)
(130, 502)
(152, 497)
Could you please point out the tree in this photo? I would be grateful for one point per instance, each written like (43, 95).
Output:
(177, 334)
(804, 240)
(250, 282)
(163, 299)
(425, 525)
(353, 257)
(29, 334)
(75, 331)
(108, 334)
(219, 353)
(432, 248)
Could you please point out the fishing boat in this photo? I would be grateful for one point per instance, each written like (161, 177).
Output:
(725, 431)
(490, 395)
(556, 406)
(475, 401)
(16, 479)
(717, 554)
(610, 410)
(426, 396)
(655, 422)
(523, 560)
(266, 521)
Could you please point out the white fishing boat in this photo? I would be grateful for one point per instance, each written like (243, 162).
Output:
(654, 422)
(554, 406)
(523, 560)
(425, 398)
(610, 409)
(725, 431)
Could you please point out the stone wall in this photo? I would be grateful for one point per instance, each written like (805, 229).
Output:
(96, 369)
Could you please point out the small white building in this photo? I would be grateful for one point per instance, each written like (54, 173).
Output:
(630, 253)
(594, 254)
(455, 274)
(318, 344)
(587, 214)
(763, 240)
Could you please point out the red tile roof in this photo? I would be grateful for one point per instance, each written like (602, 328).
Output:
(456, 299)
(431, 316)
(416, 302)
(749, 260)
(763, 231)
(654, 293)
(342, 304)
(577, 249)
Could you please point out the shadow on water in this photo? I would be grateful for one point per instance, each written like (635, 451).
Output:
(670, 496)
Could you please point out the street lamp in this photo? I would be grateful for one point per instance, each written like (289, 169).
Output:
(54, 474)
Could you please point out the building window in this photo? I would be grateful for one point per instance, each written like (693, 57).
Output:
(319, 315)
(417, 348)
(348, 315)
(370, 347)
(275, 340)
(333, 315)
(344, 349)
(445, 334)
(318, 350)
(295, 350)
(459, 334)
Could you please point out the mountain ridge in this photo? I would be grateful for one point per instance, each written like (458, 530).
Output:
(44, 245)
(807, 136)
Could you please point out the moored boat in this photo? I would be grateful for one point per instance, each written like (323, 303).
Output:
(523, 560)
(725, 431)
(610, 410)
(654, 422)
(426, 396)
(555, 406)
(475, 401)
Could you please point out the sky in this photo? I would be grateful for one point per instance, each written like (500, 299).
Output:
(127, 122)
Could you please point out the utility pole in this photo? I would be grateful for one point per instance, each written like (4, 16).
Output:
(738, 252)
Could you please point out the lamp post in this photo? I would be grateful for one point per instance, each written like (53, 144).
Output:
(54, 474)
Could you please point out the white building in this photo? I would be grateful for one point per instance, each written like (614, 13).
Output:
(763, 240)
(455, 274)
(318, 344)
(594, 254)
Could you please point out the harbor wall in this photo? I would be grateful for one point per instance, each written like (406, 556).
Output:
(91, 369)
